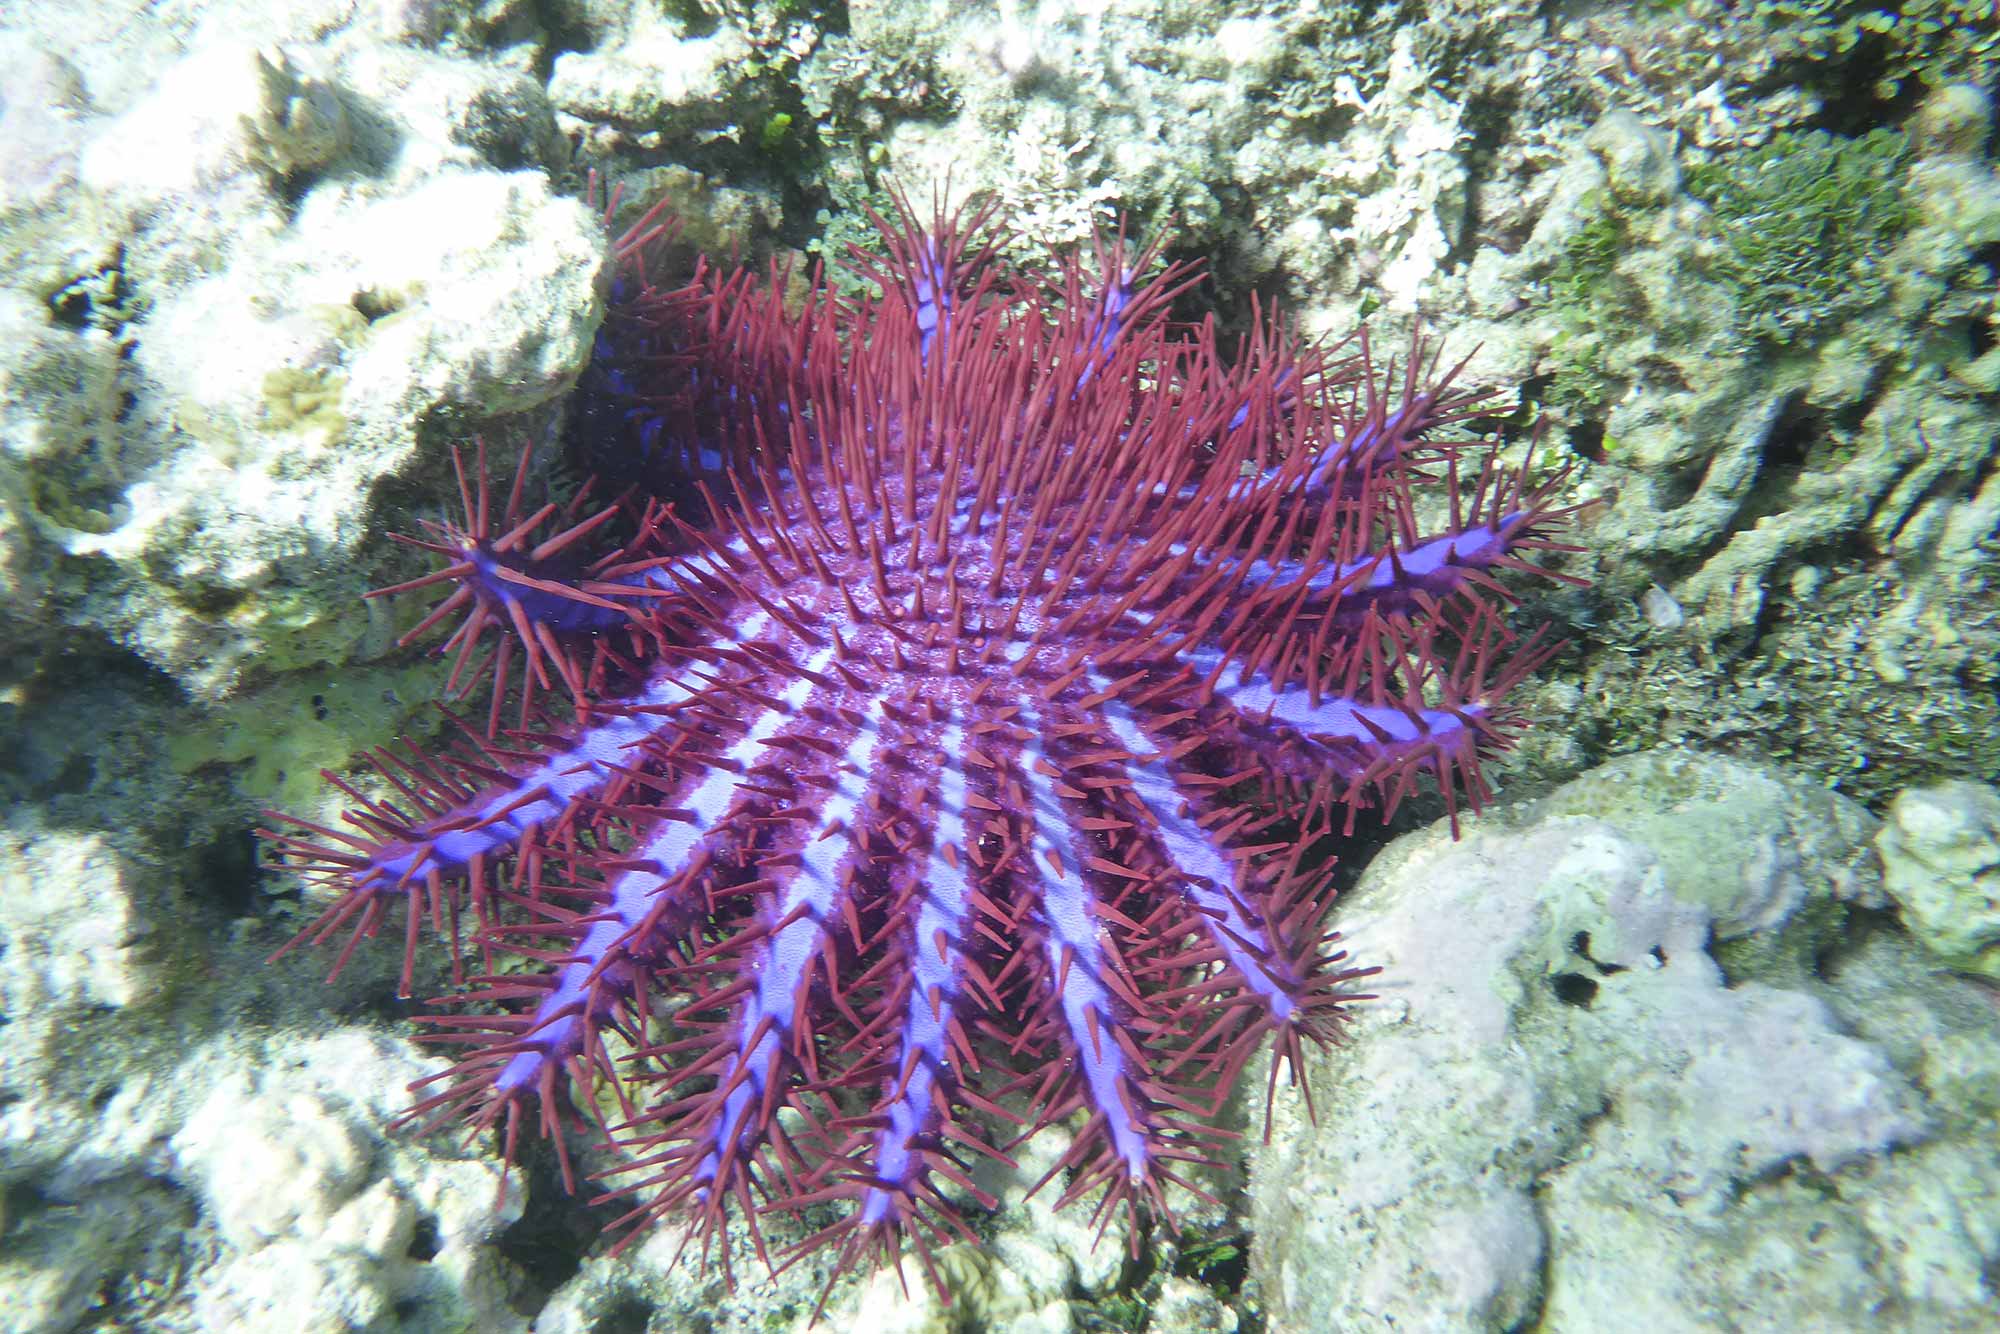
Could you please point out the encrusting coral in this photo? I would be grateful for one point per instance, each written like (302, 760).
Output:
(966, 687)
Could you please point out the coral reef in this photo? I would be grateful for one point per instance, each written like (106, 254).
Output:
(261, 293)
(1640, 1057)
(1802, 465)
(261, 264)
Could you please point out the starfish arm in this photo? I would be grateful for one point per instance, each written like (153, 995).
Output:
(1353, 739)
(937, 963)
(706, 1148)
(392, 855)
(1080, 974)
(1203, 872)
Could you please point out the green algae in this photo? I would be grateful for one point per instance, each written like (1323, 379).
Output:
(54, 499)
(277, 738)
(296, 398)
(1815, 697)
(1800, 232)
(1806, 224)
(298, 628)
(1926, 42)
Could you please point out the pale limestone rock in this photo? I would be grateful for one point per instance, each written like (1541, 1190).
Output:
(1941, 863)
(1620, 1037)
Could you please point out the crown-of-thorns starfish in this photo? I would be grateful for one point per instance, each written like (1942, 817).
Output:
(966, 685)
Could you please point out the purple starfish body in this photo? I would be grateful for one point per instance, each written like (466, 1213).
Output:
(961, 747)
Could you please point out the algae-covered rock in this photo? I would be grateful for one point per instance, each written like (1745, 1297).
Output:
(246, 1183)
(1573, 1106)
(1767, 372)
(473, 292)
(1941, 863)
(654, 79)
(287, 248)
(1313, 143)
(1034, 1270)
(181, 1151)
(73, 930)
(364, 1231)
(59, 443)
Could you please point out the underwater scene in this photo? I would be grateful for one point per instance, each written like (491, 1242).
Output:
(1184, 666)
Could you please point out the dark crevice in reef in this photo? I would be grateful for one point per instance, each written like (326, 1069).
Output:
(1791, 438)
(224, 872)
(627, 1315)
(1220, 1263)
(1227, 290)
(1491, 119)
(1217, 1259)
(1859, 927)
(1986, 257)
(1587, 439)
(555, 1231)
(69, 749)
(1574, 989)
(1846, 86)
(1580, 946)
(564, 31)
(774, 144)
(1800, 439)
(1677, 484)
(425, 1240)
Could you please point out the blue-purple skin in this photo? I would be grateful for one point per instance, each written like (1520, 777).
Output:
(566, 615)
(923, 762)
(923, 1050)
(562, 1020)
